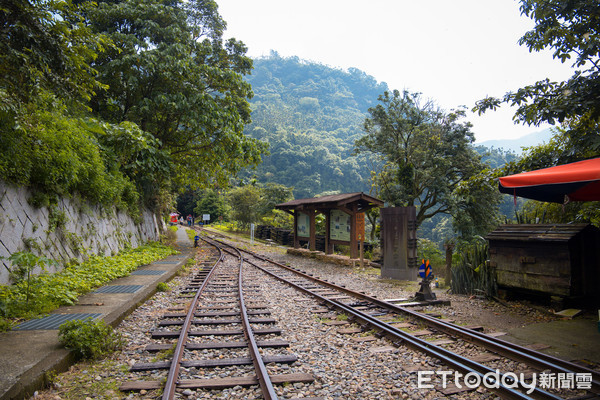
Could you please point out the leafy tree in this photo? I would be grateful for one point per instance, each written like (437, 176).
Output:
(136, 154)
(243, 201)
(172, 74)
(256, 202)
(187, 201)
(49, 142)
(212, 203)
(273, 194)
(46, 46)
(58, 155)
(24, 263)
(571, 29)
(425, 155)
(555, 152)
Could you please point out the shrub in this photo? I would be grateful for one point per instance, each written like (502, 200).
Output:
(38, 294)
(162, 287)
(473, 273)
(89, 339)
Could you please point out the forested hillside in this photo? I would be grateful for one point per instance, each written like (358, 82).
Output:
(310, 114)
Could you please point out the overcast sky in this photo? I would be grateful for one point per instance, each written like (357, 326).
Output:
(453, 51)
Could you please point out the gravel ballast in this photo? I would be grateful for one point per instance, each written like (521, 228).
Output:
(345, 366)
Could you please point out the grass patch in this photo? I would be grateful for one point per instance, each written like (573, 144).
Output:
(46, 292)
(342, 317)
(190, 234)
(165, 354)
(82, 381)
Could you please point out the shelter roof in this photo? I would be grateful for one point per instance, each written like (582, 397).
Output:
(364, 201)
(537, 232)
(578, 181)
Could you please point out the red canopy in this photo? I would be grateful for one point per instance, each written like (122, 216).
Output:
(578, 181)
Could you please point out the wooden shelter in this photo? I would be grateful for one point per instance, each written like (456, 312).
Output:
(559, 260)
(342, 211)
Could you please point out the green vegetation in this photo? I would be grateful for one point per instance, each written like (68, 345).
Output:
(165, 354)
(81, 381)
(212, 203)
(24, 263)
(239, 206)
(570, 29)
(39, 294)
(162, 287)
(424, 155)
(472, 274)
(252, 203)
(428, 250)
(118, 102)
(310, 114)
(125, 103)
(89, 339)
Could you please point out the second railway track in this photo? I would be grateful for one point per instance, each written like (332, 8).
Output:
(498, 360)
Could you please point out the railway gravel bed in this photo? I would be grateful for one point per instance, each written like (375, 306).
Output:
(345, 366)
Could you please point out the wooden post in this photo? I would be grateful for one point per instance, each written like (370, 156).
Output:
(328, 244)
(313, 230)
(296, 238)
(362, 253)
(353, 239)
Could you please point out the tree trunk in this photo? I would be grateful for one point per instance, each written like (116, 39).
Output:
(449, 247)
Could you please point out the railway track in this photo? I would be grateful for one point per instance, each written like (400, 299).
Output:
(224, 314)
(443, 340)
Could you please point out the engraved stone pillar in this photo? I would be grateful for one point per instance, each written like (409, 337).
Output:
(399, 243)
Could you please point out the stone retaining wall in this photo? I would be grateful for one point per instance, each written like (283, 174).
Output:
(71, 230)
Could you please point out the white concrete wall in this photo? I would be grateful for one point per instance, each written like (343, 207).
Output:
(89, 229)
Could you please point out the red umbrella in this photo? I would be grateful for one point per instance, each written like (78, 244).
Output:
(578, 181)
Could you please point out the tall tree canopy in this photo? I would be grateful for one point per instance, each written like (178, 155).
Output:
(571, 28)
(425, 154)
(45, 45)
(118, 100)
(310, 114)
(171, 73)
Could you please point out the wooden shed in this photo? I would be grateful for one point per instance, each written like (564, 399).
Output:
(560, 260)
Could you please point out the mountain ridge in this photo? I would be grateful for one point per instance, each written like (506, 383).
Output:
(516, 145)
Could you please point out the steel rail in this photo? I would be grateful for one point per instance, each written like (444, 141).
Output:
(267, 388)
(173, 375)
(518, 353)
(510, 350)
(451, 359)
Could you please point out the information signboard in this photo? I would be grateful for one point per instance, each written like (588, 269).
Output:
(339, 226)
(303, 225)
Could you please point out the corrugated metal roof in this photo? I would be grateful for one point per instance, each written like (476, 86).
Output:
(537, 232)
